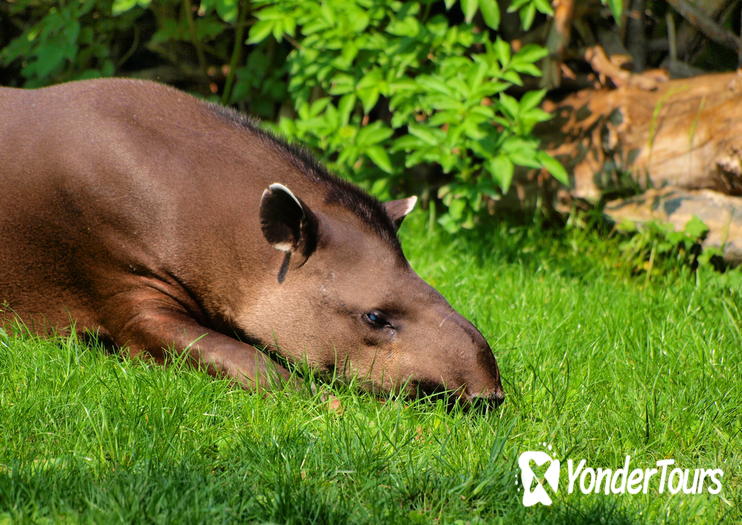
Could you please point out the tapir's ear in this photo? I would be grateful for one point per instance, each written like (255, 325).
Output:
(398, 210)
(287, 224)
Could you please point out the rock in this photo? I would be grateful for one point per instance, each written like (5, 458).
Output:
(721, 213)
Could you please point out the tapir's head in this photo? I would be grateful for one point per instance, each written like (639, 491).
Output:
(344, 298)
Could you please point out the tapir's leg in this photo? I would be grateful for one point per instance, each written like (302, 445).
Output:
(153, 327)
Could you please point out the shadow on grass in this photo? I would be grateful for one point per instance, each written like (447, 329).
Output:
(604, 512)
(153, 493)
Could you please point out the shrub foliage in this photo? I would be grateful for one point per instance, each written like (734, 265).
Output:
(411, 96)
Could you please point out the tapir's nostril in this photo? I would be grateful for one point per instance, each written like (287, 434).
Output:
(493, 400)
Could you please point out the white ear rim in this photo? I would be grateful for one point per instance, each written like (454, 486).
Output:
(277, 186)
(411, 202)
(283, 246)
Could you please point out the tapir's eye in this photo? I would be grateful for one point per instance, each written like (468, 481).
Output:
(376, 319)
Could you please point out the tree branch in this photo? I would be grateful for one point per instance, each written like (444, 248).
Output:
(637, 40)
(188, 8)
(238, 44)
(704, 24)
(557, 41)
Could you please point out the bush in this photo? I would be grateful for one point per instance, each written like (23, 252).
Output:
(397, 96)
(389, 89)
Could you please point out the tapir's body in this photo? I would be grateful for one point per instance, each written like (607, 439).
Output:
(136, 211)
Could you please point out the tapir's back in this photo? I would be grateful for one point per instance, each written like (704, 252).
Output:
(101, 180)
(38, 250)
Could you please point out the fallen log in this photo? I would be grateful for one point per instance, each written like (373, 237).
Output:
(684, 133)
(664, 153)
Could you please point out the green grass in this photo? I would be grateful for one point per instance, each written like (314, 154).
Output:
(596, 363)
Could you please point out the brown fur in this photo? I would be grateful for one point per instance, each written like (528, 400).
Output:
(132, 209)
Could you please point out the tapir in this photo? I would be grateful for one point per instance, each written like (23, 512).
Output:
(164, 223)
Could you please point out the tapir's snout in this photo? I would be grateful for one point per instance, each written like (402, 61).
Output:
(483, 386)
(451, 354)
(457, 359)
(491, 395)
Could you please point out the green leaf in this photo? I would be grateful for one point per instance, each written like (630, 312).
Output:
(380, 157)
(318, 106)
(457, 208)
(616, 7)
(409, 27)
(259, 31)
(207, 28)
(368, 98)
(49, 58)
(522, 151)
(510, 105)
(543, 7)
(380, 187)
(695, 228)
(502, 51)
(512, 77)
(345, 107)
(227, 10)
(121, 6)
(423, 133)
(554, 167)
(490, 12)
(407, 143)
(449, 223)
(515, 5)
(501, 168)
(526, 69)
(532, 99)
(526, 16)
(530, 53)
(342, 84)
(375, 133)
(434, 83)
(469, 7)
(627, 226)
(287, 127)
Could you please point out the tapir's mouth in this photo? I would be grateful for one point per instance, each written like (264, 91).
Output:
(430, 390)
(433, 391)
